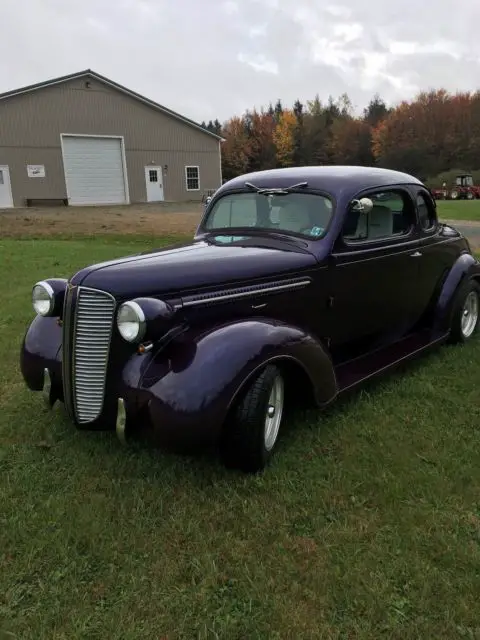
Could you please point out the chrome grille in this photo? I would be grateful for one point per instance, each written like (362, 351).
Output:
(91, 346)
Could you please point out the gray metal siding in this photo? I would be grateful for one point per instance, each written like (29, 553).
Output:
(31, 124)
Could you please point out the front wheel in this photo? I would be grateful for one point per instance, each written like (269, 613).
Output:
(466, 312)
(250, 435)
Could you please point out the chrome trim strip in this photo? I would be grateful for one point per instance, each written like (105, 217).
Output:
(244, 292)
(66, 351)
(98, 379)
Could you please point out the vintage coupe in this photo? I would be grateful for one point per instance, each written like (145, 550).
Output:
(301, 279)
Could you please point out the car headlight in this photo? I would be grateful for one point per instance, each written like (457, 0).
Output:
(131, 321)
(43, 298)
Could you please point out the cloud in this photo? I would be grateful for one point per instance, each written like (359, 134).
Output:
(219, 57)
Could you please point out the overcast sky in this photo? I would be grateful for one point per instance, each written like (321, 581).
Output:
(215, 58)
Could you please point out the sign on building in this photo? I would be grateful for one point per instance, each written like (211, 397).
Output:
(36, 170)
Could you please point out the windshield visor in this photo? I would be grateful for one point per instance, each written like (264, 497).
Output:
(303, 214)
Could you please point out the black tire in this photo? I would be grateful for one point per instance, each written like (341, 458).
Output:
(243, 443)
(466, 291)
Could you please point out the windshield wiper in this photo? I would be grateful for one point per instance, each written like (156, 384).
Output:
(276, 191)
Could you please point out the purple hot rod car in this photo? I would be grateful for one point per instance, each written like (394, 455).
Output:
(297, 280)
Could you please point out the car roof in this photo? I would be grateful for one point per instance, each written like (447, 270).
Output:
(336, 180)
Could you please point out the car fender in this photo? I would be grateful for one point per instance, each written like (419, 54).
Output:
(464, 268)
(192, 383)
(40, 349)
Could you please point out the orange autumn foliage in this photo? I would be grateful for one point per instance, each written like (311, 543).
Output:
(284, 138)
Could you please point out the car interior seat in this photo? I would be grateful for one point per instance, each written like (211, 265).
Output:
(350, 225)
(380, 222)
(293, 217)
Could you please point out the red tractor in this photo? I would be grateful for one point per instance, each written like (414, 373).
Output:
(464, 189)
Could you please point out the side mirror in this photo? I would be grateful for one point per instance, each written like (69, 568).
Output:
(364, 205)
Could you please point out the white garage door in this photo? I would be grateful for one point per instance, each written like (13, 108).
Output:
(94, 170)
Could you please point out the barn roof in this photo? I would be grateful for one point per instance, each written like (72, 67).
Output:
(88, 73)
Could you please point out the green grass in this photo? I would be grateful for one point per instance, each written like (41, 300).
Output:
(459, 210)
(366, 525)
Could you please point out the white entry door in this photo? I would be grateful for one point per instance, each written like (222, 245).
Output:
(6, 199)
(154, 183)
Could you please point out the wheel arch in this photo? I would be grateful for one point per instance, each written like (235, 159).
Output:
(219, 365)
(294, 373)
(465, 268)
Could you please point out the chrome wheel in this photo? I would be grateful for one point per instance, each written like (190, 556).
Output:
(274, 413)
(470, 314)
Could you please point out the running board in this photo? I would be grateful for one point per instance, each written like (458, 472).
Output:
(354, 372)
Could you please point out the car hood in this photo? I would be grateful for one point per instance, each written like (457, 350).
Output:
(189, 267)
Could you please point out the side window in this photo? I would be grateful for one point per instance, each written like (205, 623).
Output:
(426, 212)
(392, 215)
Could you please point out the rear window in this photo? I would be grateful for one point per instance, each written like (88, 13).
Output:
(304, 214)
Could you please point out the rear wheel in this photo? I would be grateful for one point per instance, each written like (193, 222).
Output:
(470, 195)
(251, 433)
(465, 318)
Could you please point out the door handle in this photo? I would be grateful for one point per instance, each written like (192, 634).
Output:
(417, 254)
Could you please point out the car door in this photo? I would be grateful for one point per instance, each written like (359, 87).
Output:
(374, 275)
(437, 254)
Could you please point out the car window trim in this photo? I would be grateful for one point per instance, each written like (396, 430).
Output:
(382, 243)
(404, 247)
(431, 230)
(315, 192)
(399, 247)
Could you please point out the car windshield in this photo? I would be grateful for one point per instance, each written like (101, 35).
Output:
(304, 214)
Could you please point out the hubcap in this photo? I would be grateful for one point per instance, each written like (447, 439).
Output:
(274, 413)
(470, 314)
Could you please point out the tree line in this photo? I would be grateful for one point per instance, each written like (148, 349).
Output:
(428, 136)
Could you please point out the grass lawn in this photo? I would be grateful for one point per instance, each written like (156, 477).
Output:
(366, 525)
(459, 210)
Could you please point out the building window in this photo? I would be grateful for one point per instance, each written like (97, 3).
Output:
(2, 181)
(153, 175)
(192, 178)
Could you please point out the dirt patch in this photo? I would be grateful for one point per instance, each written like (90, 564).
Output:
(159, 220)
(167, 219)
